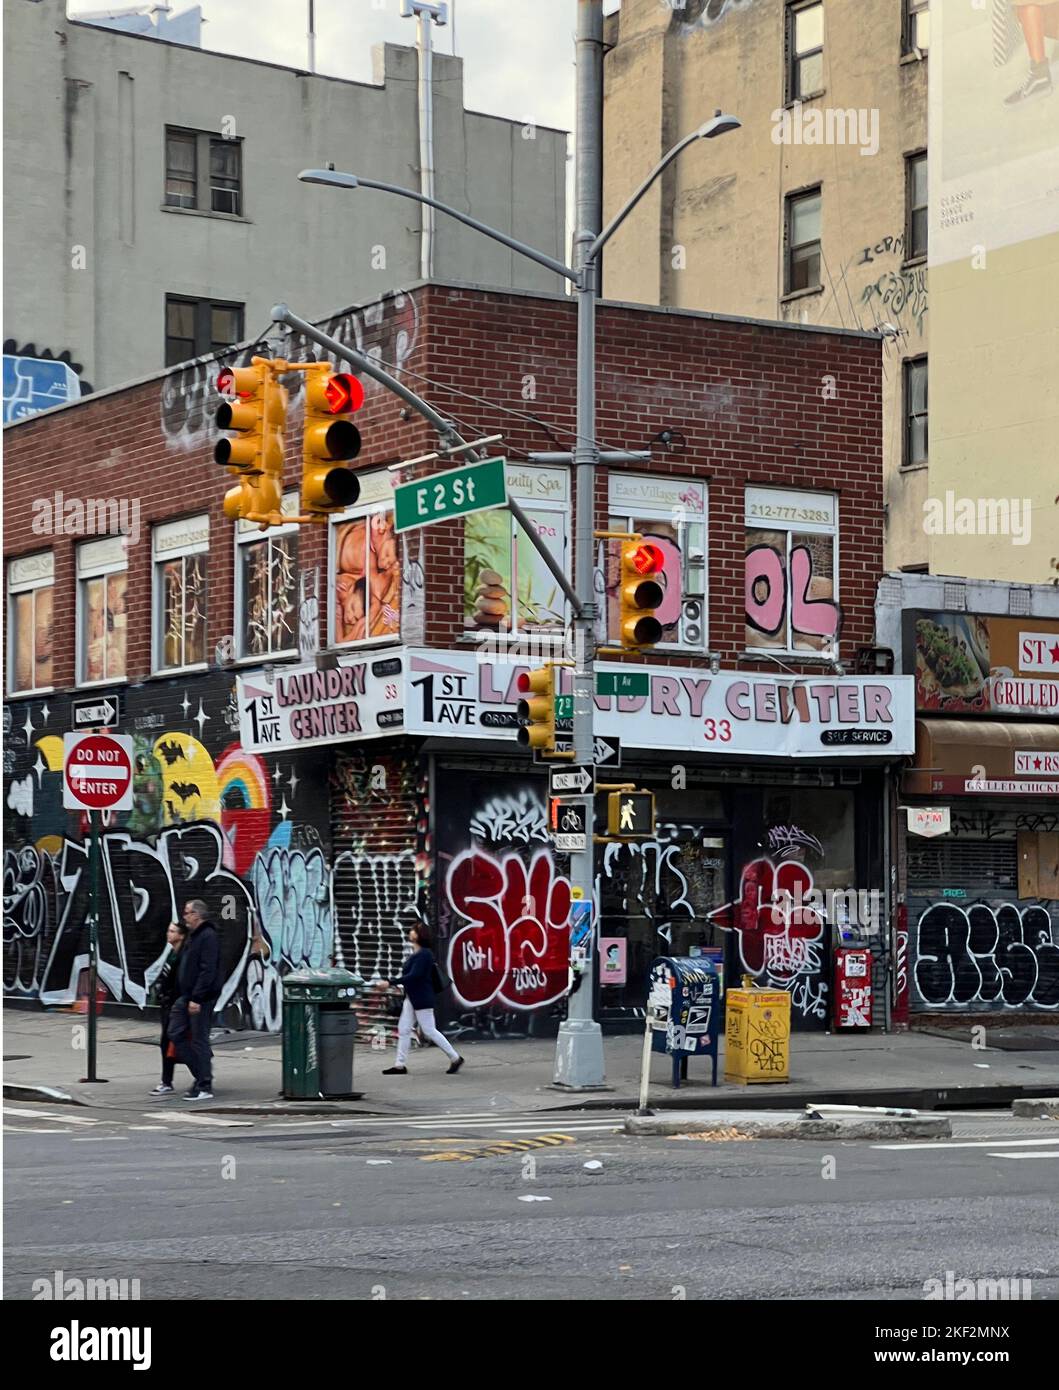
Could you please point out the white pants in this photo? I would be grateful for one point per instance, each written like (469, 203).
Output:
(425, 1019)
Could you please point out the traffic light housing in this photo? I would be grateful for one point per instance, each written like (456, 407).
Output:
(640, 594)
(536, 708)
(256, 413)
(631, 815)
(330, 438)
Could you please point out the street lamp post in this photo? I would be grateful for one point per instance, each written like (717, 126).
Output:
(579, 1050)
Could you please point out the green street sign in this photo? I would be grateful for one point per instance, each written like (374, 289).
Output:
(441, 496)
(622, 683)
(564, 707)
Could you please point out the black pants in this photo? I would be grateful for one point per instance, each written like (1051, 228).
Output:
(198, 1052)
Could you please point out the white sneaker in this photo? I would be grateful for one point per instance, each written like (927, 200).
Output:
(197, 1094)
(162, 1090)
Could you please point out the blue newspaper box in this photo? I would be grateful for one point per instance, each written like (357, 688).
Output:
(684, 1003)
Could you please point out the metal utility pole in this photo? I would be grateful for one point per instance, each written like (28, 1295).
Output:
(579, 1047)
(312, 36)
(579, 1050)
(425, 13)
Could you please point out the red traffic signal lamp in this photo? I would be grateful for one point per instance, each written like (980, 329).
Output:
(330, 438)
(640, 593)
(536, 708)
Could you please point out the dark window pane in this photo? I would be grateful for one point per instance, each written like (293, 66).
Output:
(919, 233)
(919, 181)
(805, 267)
(224, 176)
(180, 319)
(180, 170)
(226, 325)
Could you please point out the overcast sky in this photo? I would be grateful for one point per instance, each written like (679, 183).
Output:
(518, 54)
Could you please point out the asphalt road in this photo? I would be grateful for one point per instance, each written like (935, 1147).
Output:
(210, 1208)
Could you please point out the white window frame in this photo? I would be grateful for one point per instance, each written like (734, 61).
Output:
(806, 501)
(196, 542)
(247, 533)
(695, 584)
(115, 547)
(530, 485)
(44, 561)
(376, 493)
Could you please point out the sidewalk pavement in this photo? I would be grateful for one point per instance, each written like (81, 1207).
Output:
(918, 1070)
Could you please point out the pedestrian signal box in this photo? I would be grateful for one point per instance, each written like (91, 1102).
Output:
(631, 815)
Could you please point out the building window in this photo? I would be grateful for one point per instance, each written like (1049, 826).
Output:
(365, 588)
(670, 513)
(181, 169)
(916, 438)
(916, 26)
(194, 327)
(507, 588)
(225, 176)
(179, 551)
(804, 211)
(30, 589)
(266, 592)
(805, 50)
(102, 622)
(791, 580)
(916, 205)
(203, 172)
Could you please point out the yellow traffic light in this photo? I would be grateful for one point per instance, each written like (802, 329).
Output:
(640, 594)
(536, 710)
(257, 414)
(330, 437)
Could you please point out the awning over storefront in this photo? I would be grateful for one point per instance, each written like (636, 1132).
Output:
(983, 757)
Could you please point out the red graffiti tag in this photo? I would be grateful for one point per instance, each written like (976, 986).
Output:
(770, 917)
(517, 946)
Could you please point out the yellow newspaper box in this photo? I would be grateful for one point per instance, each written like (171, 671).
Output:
(757, 1035)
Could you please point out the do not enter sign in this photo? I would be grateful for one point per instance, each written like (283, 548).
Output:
(97, 772)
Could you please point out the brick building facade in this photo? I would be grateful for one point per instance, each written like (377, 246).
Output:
(769, 761)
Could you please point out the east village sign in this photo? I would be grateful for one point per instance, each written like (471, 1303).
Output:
(456, 695)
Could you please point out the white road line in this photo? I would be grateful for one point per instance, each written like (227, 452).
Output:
(546, 1124)
(47, 1115)
(563, 1129)
(969, 1144)
(1053, 1154)
(99, 1139)
(28, 1129)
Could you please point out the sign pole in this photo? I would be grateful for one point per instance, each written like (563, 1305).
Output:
(93, 949)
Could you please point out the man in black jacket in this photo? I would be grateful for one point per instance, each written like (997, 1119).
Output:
(200, 986)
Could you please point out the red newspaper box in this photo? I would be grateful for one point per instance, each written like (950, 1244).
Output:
(852, 988)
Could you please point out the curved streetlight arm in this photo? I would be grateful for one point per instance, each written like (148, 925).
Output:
(333, 179)
(719, 125)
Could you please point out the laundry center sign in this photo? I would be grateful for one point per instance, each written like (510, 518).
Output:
(683, 709)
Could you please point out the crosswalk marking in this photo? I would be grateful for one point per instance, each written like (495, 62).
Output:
(1038, 1154)
(968, 1144)
(216, 1121)
(47, 1115)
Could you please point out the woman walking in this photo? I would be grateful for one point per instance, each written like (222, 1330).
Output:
(167, 989)
(417, 978)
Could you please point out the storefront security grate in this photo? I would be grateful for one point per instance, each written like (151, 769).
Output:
(963, 864)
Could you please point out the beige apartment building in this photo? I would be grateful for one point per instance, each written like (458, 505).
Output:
(815, 212)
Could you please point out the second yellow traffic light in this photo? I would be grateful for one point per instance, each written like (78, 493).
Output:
(330, 438)
(536, 708)
(640, 594)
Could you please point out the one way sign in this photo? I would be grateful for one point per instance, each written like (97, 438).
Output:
(100, 713)
(572, 779)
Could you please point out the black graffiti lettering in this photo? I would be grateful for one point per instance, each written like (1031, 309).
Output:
(986, 956)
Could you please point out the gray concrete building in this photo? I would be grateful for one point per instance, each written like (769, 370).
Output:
(153, 212)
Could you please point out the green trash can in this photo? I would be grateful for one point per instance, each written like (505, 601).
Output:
(318, 1030)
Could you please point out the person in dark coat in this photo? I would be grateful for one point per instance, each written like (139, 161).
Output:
(167, 991)
(417, 978)
(200, 987)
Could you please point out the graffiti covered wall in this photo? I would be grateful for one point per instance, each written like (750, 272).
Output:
(247, 834)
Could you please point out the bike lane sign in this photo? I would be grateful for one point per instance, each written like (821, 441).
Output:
(569, 825)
